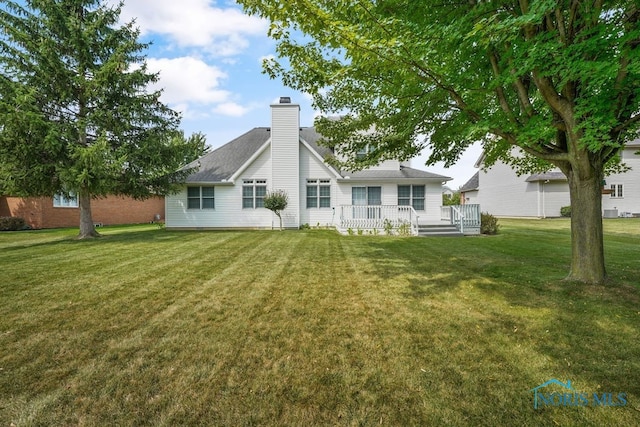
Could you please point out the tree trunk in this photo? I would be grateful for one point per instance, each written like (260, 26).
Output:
(87, 228)
(587, 247)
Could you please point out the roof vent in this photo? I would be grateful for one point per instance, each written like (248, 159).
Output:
(285, 100)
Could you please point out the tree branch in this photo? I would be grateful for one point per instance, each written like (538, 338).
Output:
(504, 104)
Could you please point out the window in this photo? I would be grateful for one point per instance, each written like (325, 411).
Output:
(200, 198)
(318, 193)
(362, 152)
(366, 196)
(62, 201)
(411, 195)
(253, 192)
(616, 191)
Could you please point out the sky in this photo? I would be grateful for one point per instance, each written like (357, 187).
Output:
(209, 56)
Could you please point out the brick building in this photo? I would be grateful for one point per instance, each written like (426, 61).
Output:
(54, 212)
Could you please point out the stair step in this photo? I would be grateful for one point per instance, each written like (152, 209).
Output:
(438, 230)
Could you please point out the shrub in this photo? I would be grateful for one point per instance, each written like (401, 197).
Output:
(276, 201)
(12, 223)
(488, 224)
(404, 229)
(565, 211)
(388, 226)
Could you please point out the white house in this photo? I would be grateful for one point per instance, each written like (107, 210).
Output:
(229, 184)
(500, 192)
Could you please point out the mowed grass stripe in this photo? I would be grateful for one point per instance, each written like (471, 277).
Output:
(313, 328)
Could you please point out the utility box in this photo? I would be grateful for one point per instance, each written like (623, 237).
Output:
(610, 213)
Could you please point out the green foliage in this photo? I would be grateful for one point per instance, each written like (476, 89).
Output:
(388, 226)
(488, 224)
(451, 199)
(76, 111)
(276, 201)
(404, 229)
(559, 80)
(12, 223)
(565, 211)
(461, 73)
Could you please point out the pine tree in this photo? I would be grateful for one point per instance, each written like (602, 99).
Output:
(76, 114)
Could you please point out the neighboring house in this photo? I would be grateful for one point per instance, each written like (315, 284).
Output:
(59, 211)
(500, 192)
(228, 187)
(469, 191)
(446, 191)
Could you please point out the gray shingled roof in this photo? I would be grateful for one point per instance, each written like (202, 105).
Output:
(473, 183)
(404, 173)
(221, 164)
(546, 176)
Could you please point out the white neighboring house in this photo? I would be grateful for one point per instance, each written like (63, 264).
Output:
(500, 192)
(227, 189)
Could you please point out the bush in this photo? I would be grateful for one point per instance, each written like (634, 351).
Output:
(565, 211)
(12, 223)
(488, 224)
(276, 201)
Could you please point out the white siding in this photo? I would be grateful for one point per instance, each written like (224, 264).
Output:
(433, 196)
(630, 180)
(471, 197)
(285, 142)
(503, 193)
(553, 195)
(313, 168)
(228, 212)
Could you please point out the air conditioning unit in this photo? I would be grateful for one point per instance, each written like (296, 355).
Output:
(610, 213)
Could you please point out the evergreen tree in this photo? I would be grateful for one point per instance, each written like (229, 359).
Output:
(76, 115)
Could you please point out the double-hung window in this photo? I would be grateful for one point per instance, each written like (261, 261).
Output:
(65, 201)
(318, 193)
(411, 195)
(616, 191)
(200, 198)
(253, 192)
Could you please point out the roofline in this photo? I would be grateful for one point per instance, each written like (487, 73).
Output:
(633, 144)
(381, 178)
(217, 183)
(317, 156)
(251, 159)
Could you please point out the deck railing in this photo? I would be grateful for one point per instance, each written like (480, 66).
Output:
(464, 217)
(382, 218)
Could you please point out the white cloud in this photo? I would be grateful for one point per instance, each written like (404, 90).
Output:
(188, 80)
(231, 109)
(195, 23)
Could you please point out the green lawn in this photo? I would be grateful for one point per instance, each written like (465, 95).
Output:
(153, 327)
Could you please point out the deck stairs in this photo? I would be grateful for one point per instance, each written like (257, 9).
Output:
(438, 230)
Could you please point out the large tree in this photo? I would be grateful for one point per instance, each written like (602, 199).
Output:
(559, 79)
(76, 114)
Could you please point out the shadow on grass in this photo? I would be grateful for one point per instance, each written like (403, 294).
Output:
(515, 289)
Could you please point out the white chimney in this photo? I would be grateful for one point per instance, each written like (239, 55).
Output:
(285, 157)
